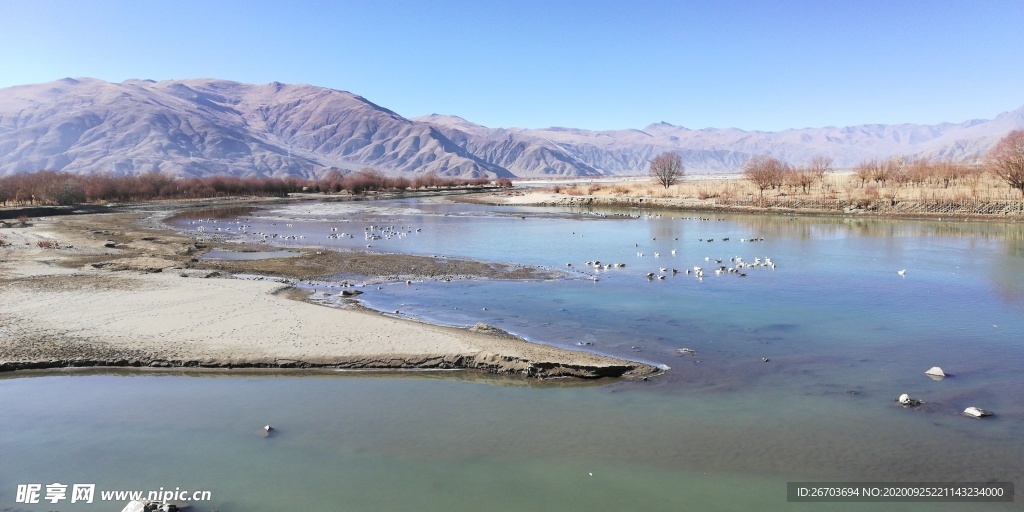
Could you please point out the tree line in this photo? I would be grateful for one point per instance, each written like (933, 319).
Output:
(60, 188)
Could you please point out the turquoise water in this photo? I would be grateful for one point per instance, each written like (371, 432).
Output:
(723, 430)
(421, 443)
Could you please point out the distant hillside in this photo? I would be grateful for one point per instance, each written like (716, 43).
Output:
(723, 150)
(207, 127)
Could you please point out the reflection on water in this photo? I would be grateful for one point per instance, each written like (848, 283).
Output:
(843, 333)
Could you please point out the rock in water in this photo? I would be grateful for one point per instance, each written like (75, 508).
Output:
(906, 401)
(134, 506)
(976, 412)
(935, 372)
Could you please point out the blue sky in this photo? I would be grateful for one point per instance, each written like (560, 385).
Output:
(758, 65)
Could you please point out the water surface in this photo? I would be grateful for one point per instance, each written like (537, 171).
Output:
(843, 332)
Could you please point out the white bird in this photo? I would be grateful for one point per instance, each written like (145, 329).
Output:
(902, 272)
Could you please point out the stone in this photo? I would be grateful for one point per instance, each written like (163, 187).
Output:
(976, 412)
(135, 506)
(350, 293)
(936, 373)
(906, 401)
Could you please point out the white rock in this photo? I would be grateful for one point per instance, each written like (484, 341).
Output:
(905, 399)
(134, 506)
(935, 371)
(976, 412)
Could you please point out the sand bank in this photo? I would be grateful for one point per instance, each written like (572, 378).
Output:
(135, 304)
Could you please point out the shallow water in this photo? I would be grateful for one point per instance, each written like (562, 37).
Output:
(421, 443)
(723, 430)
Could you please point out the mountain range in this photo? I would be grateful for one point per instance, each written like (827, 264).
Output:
(204, 127)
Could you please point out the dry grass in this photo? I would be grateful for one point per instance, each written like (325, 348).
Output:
(977, 187)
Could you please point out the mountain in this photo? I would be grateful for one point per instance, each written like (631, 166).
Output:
(726, 150)
(206, 127)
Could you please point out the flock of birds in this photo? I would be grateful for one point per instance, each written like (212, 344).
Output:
(370, 233)
(374, 232)
(735, 265)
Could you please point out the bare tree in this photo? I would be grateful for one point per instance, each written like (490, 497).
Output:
(806, 176)
(819, 166)
(765, 171)
(1007, 159)
(667, 168)
(867, 171)
(802, 177)
(892, 169)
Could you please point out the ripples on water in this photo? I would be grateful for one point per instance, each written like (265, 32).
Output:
(843, 332)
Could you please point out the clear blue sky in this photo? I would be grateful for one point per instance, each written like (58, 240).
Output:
(757, 65)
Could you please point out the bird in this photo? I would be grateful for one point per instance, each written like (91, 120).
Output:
(902, 272)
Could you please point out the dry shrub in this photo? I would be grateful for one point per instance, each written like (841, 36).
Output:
(48, 244)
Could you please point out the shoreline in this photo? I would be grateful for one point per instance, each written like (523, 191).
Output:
(551, 199)
(131, 296)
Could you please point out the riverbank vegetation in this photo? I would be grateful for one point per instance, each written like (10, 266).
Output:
(59, 188)
(886, 187)
(895, 185)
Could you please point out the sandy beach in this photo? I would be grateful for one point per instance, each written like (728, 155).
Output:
(116, 293)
